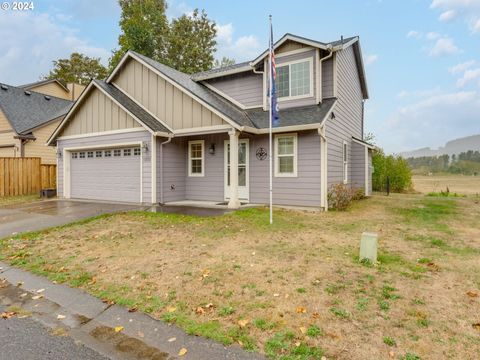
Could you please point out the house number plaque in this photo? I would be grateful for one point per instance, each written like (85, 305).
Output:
(261, 153)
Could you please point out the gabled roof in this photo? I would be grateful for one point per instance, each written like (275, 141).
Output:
(222, 71)
(26, 110)
(305, 115)
(44, 82)
(206, 95)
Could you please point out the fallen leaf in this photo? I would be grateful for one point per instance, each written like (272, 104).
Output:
(298, 343)
(391, 354)
(40, 291)
(200, 310)
(243, 323)
(276, 295)
(432, 266)
(209, 305)
(60, 317)
(20, 283)
(23, 295)
(172, 339)
(476, 326)
(107, 301)
(182, 352)
(36, 297)
(315, 315)
(206, 273)
(133, 309)
(8, 314)
(171, 309)
(118, 328)
(472, 293)
(301, 310)
(141, 334)
(303, 329)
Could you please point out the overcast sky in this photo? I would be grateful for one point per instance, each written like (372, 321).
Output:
(422, 56)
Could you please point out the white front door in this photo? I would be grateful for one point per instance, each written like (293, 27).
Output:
(243, 161)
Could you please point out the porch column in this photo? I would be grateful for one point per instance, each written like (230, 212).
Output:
(234, 202)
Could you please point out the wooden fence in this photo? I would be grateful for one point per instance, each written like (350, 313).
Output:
(25, 176)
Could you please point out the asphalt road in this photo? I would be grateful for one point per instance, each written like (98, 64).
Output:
(26, 339)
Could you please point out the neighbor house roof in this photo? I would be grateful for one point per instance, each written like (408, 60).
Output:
(44, 82)
(202, 92)
(293, 116)
(26, 110)
(132, 106)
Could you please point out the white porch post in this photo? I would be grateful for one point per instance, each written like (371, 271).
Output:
(234, 202)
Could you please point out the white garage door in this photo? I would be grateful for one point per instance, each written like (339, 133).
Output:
(111, 174)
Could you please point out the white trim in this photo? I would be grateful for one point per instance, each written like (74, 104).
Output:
(153, 161)
(225, 170)
(178, 86)
(296, 97)
(318, 77)
(237, 70)
(203, 130)
(190, 143)
(110, 132)
(335, 74)
(295, 155)
(169, 128)
(345, 162)
(372, 147)
(294, 52)
(366, 172)
(67, 168)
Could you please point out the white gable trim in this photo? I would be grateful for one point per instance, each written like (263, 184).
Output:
(80, 100)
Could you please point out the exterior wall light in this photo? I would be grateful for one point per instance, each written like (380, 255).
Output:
(211, 150)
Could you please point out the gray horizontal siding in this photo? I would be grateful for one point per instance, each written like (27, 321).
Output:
(246, 88)
(303, 190)
(358, 165)
(370, 170)
(348, 119)
(327, 78)
(174, 170)
(97, 141)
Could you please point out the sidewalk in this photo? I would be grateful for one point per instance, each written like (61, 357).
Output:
(90, 321)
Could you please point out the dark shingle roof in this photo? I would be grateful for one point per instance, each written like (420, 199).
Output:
(220, 70)
(25, 112)
(43, 82)
(293, 116)
(132, 106)
(202, 92)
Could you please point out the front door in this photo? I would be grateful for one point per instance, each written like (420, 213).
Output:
(242, 169)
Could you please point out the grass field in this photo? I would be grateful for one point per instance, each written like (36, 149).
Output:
(294, 290)
(461, 184)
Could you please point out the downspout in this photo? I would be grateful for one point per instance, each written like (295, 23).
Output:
(161, 167)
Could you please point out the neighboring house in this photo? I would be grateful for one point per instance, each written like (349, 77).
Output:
(151, 134)
(53, 87)
(27, 120)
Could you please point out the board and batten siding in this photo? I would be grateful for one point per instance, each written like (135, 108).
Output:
(327, 78)
(246, 88)
(38, 148)
(6, 138)
(358, 165)
(98, 113)
(96, 142)
(168, 103)
(303, 190)
(348, 119)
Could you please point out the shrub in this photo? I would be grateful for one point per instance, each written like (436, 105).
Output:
(395, 168)
(341, 195)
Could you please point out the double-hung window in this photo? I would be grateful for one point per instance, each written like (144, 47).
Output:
(345, 162)
(294, 80)
(286, 155)
(196, 158)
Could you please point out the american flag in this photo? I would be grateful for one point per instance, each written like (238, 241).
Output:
(273, 93)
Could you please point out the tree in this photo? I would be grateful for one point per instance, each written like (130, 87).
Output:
(223, 63)
(370, 138)
(191, 43)
(78, 69)
(186, 44)
(144, 28)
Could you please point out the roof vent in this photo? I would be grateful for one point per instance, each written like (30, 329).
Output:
(4, 87)
(28, 93)
(47, 97)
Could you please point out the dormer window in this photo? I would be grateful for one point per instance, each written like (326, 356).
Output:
(295, 80)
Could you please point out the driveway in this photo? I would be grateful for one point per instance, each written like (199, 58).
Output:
(43, 214)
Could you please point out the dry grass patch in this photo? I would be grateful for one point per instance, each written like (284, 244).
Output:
(294, 290)
(461, 184)
(10, 200)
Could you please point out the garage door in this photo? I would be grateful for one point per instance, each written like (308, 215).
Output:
(106, 174)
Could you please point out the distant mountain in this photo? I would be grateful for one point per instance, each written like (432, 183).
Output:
(452, 147)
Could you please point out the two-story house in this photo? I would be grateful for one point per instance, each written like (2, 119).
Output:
(151, 134)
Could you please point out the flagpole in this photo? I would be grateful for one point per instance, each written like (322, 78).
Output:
(270, 124)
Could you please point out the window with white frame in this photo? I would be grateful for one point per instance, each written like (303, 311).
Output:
(108, 153)
(286, 155)
(294, 80)
(127, 152)
(117, 152)
(345, 162)
(98, 154)
(136, 151)
(81, 155)
(74, 155)
(196, 157)
(90, 154)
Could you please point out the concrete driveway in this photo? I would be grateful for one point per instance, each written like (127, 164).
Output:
(43, 214)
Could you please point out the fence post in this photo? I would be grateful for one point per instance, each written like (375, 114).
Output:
(388, 185)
